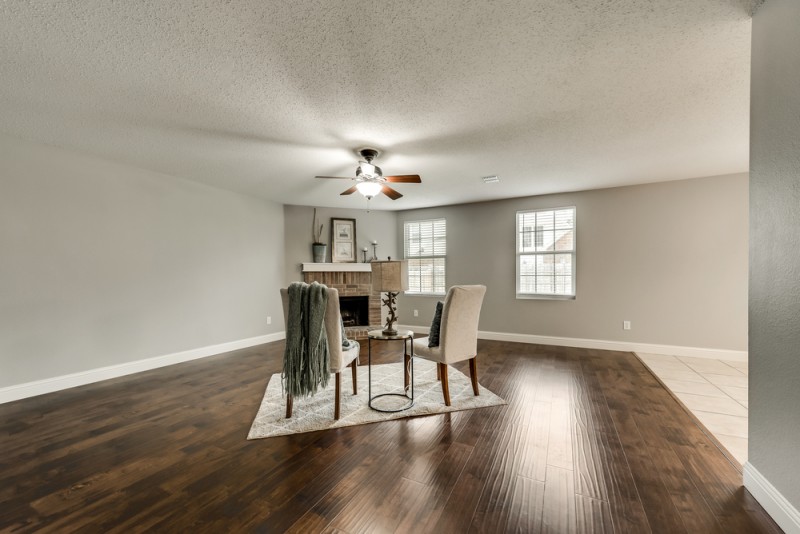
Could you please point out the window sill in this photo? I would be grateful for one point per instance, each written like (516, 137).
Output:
(533, 296)
(408, 294)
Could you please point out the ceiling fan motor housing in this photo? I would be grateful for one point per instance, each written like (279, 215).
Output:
(373, 173)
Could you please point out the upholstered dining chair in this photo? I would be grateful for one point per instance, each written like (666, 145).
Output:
(458, 337)
(339, 358)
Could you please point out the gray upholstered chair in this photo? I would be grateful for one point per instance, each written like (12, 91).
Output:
(458, 337)
(339, 359)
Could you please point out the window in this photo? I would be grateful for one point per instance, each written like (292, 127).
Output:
(546, 253)
(538, 234)
(425, 250)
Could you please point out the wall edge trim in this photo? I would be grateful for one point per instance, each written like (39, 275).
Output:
(90, 376)
(772, 500)
(58, 383)
(625, 346)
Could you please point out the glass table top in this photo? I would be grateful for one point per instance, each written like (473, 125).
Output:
(401, 334)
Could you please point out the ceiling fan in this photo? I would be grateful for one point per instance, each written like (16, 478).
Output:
(370, 179)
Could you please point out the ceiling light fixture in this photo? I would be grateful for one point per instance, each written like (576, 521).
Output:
(369, 189)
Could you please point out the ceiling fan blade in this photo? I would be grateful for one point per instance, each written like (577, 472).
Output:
(334, 177)
(349, 191)
(405, 178)
(391, 193)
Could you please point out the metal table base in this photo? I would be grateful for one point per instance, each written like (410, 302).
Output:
(408, 341)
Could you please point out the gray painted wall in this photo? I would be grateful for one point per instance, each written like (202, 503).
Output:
(104, 264)
(670, 257)
(775, 247)
(370, 226)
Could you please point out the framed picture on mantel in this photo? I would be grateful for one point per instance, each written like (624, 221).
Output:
(343, 240)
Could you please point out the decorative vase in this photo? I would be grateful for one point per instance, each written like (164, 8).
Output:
(319, 252)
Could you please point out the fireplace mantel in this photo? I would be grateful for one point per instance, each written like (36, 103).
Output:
(337, 267)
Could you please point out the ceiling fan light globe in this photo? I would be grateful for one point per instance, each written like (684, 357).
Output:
(369, 189)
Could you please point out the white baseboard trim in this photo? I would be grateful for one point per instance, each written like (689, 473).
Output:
(625, 346)
(57, 383)
(776, 505)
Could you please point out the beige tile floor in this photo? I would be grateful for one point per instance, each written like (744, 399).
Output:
(714, 390)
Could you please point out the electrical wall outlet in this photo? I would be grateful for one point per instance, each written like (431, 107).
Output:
(416, 313)
(269, 319)
(626, 325)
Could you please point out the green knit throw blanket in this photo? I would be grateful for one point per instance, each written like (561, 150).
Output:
(305, 360)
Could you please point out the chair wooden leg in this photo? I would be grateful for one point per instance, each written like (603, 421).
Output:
(473, 374)
(338, 393)
(288, 406)
(438, 372)
(354, 365)
(445, 385)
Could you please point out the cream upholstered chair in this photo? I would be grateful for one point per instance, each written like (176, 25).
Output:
(339, 359)
(458, 337)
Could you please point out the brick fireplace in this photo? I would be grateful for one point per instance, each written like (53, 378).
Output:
(352, 280)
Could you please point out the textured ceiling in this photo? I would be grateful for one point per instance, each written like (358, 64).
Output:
(258, 97)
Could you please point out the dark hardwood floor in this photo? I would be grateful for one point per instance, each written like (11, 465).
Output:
(589, 442)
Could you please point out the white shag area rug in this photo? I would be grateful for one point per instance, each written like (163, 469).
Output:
(316, 412)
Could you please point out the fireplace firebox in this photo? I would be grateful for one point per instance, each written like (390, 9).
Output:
(355, 310)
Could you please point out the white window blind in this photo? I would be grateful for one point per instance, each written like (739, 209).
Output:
(426, 249)
(546, 253)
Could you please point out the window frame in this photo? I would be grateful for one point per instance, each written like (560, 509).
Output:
(573, 253)
(432, 257)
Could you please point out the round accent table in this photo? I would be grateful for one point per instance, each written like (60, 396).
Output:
(407, 337)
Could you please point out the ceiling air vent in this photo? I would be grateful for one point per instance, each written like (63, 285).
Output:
(490, 179)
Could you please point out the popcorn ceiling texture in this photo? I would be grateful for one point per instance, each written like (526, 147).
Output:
(258, 97)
